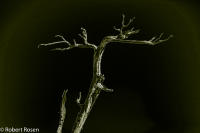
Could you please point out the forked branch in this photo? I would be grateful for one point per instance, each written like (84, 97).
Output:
(74, 45)
(124, 34)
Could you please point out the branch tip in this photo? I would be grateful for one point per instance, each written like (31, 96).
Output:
(74, 42)
(123, 19)
(78, 100)
(108, 90)
(170, 36)
(114, 27)
(156, 40)
(38, 46)
(64, 94)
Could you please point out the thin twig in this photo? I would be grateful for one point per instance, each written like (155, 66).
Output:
(78, 100)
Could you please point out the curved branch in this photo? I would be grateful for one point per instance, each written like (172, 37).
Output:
(153, 41)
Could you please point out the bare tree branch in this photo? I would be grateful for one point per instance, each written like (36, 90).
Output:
(78, 100)
(152, 41)
(125, 34)
(123, 21)
(62, 112)
(69, 45)
(104, 88)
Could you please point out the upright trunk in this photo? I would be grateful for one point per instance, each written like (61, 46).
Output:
(93, 93)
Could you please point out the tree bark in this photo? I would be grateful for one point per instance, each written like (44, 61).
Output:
(94, 90)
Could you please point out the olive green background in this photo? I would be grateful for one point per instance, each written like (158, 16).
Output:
(156, 89)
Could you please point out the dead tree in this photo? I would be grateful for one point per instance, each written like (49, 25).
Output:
(97, 83)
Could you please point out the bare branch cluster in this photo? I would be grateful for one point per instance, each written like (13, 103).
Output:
(74, 45)
(123, 34)
(157, 40)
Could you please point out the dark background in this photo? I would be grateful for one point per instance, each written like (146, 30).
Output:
(156, 89)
